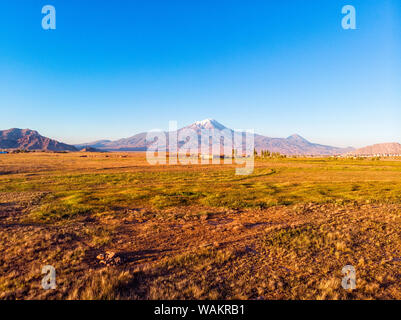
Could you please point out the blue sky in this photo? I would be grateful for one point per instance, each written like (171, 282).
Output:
(112, 69)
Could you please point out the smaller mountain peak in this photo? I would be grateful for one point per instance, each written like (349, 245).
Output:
(297, 137)
(29, 131)
(27, 139)
(20, 130)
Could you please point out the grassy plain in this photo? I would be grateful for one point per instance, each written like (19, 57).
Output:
(198, 231)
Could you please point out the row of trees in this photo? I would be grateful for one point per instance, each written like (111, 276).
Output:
(268, 154)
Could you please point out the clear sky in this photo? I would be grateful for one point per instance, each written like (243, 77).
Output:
(112, 69)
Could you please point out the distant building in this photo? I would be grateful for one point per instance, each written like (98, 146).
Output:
(206, 156)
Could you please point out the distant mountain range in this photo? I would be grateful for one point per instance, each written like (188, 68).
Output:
(26, 139)
(380, 149)
(293, 145)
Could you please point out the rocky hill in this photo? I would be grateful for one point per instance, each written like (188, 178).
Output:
(26, 139)
(379, 149)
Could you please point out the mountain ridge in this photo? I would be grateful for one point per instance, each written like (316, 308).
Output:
(389, 148)
(292, 145)
(27, 139)
(295, 144)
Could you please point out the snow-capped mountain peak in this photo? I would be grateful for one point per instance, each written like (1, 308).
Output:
(207, 124)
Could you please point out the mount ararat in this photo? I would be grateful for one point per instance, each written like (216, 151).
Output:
(293, 145)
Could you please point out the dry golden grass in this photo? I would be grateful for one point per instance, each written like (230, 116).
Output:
(198, 232)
